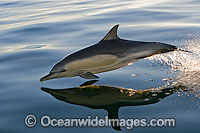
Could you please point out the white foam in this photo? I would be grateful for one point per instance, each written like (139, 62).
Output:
(187, 64)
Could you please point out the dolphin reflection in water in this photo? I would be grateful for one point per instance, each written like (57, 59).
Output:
(109, 54)
(111, 98)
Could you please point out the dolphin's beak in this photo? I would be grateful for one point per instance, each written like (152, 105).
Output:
(47, 77)
(48, 90)
(59, 94)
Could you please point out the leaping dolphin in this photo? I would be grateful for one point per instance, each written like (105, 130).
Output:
(109, 54)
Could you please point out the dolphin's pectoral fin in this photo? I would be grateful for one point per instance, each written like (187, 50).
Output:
(90, 82)
(112, 34)
(88, 75)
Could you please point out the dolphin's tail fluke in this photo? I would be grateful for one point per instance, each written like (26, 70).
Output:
(179, 49)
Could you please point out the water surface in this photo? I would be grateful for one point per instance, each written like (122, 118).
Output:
(36, 34)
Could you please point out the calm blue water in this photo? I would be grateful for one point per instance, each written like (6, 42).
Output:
(35, 34)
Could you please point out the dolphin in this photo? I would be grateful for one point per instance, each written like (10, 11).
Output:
(111, 98)
(109, 54)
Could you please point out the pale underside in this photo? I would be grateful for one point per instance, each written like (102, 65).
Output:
(99, 63)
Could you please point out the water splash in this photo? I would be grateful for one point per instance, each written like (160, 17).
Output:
(186, 65)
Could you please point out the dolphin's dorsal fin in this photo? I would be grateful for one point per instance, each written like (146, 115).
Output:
(112, 34)
(113, 111)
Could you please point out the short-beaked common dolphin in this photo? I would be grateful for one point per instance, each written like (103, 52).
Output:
(111, 98)
(109, 54)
